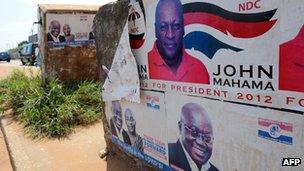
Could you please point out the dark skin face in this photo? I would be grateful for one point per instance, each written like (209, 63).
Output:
(66, 30)
(117, 114)
(169, 30)
(196, 133)
(55, 28)
(130, 122)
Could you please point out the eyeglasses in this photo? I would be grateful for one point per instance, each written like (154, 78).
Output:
(195, 133)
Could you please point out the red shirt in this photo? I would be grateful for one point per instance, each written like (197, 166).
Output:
(190, 69)
(292, 64)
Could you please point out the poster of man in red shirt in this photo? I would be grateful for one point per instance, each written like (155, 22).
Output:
(292, 64)
(168, 59)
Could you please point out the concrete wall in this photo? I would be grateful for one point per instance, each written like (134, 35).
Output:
(71, 63)
(67, 63)
(108, 33)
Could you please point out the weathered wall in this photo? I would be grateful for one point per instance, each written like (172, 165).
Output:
(67, 63)
(71, 63)
(108, 32)
(108, 27)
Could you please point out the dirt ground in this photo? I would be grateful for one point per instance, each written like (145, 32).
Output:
(76, 152)
(4, 157)
(79, 151)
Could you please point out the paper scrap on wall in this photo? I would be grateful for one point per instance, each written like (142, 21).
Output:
(122, 80)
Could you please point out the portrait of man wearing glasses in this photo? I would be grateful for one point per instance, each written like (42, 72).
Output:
(116, 123)
(193, 149)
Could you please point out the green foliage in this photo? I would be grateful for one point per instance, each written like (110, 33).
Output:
(19, 46)
(52, 110)
(22, 43)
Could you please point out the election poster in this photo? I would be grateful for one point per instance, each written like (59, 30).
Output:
(69, 29)
(243, 51)
(140, 128)
(210, 134)
(221, 85)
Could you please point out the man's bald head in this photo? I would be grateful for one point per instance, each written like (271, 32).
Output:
(165, 5)
(66, 30)
(193, 111)
(130, 121)
(55, 28)
(196, 132)
(169, 31)
(117, 114)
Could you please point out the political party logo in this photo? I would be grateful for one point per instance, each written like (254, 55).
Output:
(239, 25)
(275, 131)
(136, 24)
(153, 102)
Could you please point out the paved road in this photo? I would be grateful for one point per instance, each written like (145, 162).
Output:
(6, 68)
(14, 62)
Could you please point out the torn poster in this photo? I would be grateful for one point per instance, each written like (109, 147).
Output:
(122, 80)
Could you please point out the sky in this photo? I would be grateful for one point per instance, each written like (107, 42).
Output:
(17, 18)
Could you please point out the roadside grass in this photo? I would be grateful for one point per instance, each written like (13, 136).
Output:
(52, 110)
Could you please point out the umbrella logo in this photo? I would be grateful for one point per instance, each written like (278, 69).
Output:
(137, 26)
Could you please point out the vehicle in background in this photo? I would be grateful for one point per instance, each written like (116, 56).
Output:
(28, 53)
(5, 56)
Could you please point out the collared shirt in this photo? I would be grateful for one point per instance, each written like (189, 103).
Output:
(55, 39)
(292, 64)
(190, 69)
(192, 164)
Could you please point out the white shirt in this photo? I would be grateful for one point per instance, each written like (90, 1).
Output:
(192, 164)
(55, 39)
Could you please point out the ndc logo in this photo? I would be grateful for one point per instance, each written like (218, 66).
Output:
(153, 102)
(291, 162)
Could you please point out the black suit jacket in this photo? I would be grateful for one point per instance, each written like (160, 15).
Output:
(125, 135)
(178, 158)
(91, 36)
(50, 38)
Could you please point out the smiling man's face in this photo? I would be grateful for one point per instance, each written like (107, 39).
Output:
(196, 133)
(55, 28)
(66, 30)
(169, 29)
(130, 121)
(117, 114)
